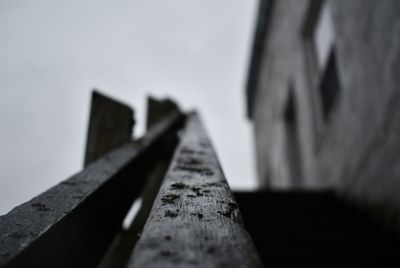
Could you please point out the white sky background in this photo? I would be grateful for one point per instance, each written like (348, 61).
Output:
(52, 53)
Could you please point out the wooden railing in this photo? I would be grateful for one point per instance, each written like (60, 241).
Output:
(191, 220)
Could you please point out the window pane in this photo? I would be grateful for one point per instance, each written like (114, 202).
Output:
(323, 37)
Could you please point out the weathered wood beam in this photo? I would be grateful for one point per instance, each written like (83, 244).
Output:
(195, 221)
(121, 248)
(73, 223)
(158, 109)
(110, 125)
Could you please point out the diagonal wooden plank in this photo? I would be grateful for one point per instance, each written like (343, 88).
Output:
(73, 223)
(195, 221)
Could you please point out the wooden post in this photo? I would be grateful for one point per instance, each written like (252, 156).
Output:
(110, 125)
(195, 221)
(73, 223)
(158, 109)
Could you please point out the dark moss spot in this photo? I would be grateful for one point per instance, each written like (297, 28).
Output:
(208, 172)
(214, 184)
(70, 183)
(169, 198)
(199, 215)
(205, 144)
(193, 165)
(232, 205)
(178, 186)
(188, 168)
(190, 161)
(210, 250)
(231, 211)
(40, 207)
(196, 190)
(166, 253)
(186, 150)
(170, 214)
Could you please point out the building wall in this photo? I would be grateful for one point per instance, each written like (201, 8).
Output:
(356, 151)
(282, 66)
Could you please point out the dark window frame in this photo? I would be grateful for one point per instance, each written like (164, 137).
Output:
(317, 78)
(293, 148)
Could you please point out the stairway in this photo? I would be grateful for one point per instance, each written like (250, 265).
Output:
(316, 229)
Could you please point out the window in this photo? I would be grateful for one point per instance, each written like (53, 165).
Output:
(319, 39)
(293, 150)
(329, 87)
(323, 36)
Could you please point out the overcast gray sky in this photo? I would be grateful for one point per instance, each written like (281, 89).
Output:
(52, 53)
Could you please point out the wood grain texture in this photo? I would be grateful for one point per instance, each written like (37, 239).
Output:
(195, 221)
(110, 125)
(73, 223)
(157, 109)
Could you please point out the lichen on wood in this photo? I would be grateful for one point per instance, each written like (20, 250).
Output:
(195, 221)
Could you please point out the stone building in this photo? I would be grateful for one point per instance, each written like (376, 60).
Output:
(323, 96)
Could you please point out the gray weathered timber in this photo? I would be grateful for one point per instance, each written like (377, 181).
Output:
(110, 126)
(195, 221)
(158, 109)
(121, 248)
(73, 223)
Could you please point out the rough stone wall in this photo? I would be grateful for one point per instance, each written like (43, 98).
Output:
(358, 151)
(361, 152)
